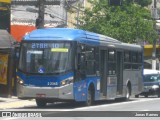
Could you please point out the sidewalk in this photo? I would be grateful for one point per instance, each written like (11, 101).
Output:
(14, 102)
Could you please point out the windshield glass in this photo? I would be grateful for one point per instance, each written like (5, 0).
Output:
(152, 78)
(45, 57)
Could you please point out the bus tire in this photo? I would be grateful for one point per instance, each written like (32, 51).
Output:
(146, 95)
(90, 97)
(127, 96)
(136, 96)
(40, 103)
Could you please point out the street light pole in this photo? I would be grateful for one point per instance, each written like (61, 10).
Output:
(78, 10)
(40, 19)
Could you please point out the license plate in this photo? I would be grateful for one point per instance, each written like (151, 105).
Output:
(40, 95)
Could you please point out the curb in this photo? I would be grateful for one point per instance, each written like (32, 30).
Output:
(8, 103)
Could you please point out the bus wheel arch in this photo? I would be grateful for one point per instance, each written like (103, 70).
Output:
(90, 95)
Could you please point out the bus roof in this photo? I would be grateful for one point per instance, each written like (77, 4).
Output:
(81, 36)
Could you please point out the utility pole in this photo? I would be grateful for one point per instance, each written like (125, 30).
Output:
(79, 5)
(154, 42)
(40, 19)
(78, 10)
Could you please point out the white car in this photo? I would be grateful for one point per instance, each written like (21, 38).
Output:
(151, 82)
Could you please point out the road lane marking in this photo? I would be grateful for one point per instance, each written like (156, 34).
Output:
(145, 110)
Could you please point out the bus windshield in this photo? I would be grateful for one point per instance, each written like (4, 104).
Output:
(45, 57)
(152, 78)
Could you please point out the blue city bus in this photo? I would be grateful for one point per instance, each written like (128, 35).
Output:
(63, 64)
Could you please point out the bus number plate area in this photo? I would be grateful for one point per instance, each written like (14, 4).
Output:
(40, 95)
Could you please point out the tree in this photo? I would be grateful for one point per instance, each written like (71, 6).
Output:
(143, 3)
(128, 23)
(115, 2)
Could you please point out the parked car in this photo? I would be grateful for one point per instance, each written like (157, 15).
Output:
(151, 81)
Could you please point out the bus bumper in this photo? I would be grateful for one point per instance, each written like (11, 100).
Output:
(28, 92)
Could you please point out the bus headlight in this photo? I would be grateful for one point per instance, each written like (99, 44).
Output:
(67, 81)
(19, 80)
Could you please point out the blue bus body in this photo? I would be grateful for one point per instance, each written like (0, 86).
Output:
(82, 73)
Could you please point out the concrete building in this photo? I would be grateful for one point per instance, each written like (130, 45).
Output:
(25, 12)
(60, 13)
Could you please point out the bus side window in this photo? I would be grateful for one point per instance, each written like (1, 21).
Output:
(127, 60)
(81, 56)
(111, 62)
(90, 60)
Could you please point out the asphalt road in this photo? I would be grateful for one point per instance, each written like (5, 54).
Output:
(135, 107)
(134, 104)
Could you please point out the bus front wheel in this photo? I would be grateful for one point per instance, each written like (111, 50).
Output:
(40, 103)
(90, 98)
(136, 96)
(146, 95)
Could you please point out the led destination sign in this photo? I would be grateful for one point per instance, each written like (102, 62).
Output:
(46, 45)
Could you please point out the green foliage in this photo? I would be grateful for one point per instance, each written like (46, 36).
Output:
(128, 23)
(143, 3)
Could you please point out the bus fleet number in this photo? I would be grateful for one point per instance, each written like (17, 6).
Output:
(52, 83)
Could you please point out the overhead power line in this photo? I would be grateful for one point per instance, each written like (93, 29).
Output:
(34, 2)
